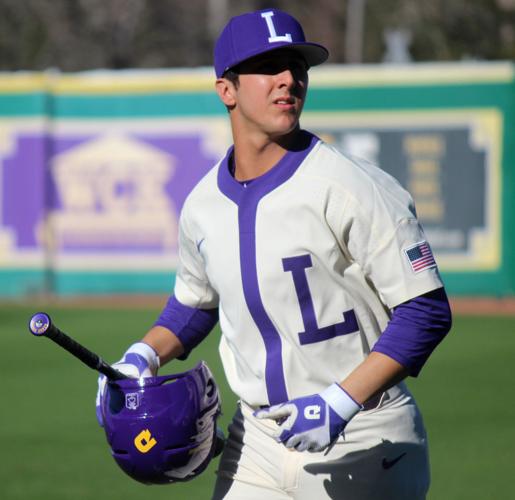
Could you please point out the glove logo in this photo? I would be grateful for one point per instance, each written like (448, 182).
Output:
(312, 412)
(144, 441)
(132, 401)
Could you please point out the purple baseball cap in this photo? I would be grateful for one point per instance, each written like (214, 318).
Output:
(255, 33)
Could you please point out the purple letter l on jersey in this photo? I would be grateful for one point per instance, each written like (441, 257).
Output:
(312, 332)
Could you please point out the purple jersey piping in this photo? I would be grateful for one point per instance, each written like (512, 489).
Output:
(247, 199)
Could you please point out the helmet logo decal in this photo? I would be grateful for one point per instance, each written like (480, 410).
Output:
(144, 441)
(132, 400)
(149, 440)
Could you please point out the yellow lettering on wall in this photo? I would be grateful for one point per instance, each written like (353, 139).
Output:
(424, 160)
(424, 145)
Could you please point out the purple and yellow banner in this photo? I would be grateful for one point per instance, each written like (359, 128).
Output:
(95, 167)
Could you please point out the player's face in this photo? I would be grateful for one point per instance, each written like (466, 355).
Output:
(271, 93)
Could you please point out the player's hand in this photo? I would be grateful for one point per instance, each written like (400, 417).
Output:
(312, 423)
(140, 360)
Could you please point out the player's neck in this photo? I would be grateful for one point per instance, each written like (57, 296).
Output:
(255, 156)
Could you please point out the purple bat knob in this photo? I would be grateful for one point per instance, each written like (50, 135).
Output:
(39, 324)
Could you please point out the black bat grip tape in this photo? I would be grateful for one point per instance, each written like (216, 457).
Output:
(41, 325)
(85, 355)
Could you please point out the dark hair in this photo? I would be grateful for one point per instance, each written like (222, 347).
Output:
(233, 77)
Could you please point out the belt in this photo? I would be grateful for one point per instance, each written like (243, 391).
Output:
(376, 401)
(371, 404)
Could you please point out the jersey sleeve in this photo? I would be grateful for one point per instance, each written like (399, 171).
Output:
(384, 236)
(190, 325)
(416, 328)
(192, 286)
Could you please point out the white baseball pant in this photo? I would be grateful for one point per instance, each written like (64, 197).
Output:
(382, 456)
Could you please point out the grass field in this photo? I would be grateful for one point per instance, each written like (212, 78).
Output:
(52, 447)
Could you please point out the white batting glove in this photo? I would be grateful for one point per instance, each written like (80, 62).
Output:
(312, 423)
(139, 361)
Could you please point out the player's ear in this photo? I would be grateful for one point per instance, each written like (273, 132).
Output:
(226, 91)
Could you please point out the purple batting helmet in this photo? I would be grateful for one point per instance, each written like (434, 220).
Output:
(255, 33)
(163, 429)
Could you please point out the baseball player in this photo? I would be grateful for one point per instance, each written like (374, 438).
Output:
(323, 283)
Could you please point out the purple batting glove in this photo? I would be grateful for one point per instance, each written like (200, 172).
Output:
(312, 423)
(139, 361)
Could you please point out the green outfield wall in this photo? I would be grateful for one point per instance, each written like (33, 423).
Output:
(95, 167)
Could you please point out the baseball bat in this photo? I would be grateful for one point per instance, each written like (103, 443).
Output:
(41, 325)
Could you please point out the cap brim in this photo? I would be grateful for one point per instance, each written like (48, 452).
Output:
(313, 53)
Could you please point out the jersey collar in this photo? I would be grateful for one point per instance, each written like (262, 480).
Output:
(267, 182)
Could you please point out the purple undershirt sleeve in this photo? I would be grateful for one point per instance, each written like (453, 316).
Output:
(415, 329)
(189, 324)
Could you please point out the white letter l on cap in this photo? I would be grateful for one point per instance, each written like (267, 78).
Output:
(274, 37)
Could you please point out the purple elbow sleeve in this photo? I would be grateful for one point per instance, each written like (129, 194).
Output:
(191, 325)
(415, 329)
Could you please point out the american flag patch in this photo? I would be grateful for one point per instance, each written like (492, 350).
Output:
(420, 257)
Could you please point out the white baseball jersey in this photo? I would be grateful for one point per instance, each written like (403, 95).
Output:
(304, 264)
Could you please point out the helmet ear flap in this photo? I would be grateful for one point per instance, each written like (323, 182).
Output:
(163, 429)
(116, 398)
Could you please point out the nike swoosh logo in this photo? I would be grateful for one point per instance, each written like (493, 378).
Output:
(200, 243)
(388, 464)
